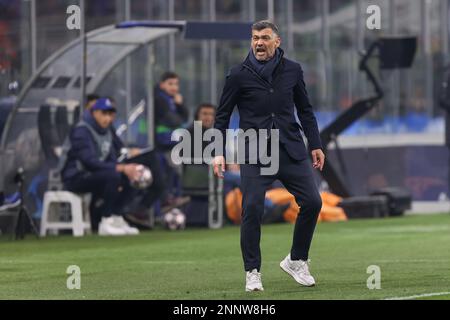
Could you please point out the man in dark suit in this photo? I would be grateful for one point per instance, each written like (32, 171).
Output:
(267, 89)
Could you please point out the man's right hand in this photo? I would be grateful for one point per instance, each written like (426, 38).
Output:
(178, 98)
(130, 170)
(219, 166)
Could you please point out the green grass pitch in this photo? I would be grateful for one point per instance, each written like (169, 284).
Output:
(413, 253)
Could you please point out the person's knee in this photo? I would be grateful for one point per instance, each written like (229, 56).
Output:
(314, 204)
(109, 182)
(106, 176)
(157, 185)
(252, 210)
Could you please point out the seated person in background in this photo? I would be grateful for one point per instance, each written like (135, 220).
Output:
(157, 190)
(91, 167)
(205, 113)
(170, 114)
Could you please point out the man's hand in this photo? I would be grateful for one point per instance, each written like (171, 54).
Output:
(130, 170)
(219, 166)
(178, 98)
(318, 159)
(133, 152)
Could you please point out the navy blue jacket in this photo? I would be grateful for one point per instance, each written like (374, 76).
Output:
(264, 105)
(84, 149)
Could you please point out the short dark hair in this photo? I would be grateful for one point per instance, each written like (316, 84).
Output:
(203, 106)
(263, 24)
(168, 75)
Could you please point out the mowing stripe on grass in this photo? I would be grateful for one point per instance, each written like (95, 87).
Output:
(417, 296)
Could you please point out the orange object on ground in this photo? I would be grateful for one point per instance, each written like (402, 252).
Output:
(329, 212)
(233, 205)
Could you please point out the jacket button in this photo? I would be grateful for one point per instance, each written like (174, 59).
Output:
(273, 115)
(271, 90)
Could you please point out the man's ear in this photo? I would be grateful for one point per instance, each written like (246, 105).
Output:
(278, 42)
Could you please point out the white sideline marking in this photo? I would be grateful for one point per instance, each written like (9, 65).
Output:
(419, 296)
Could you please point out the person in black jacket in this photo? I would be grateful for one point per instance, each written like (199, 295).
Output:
(267, 88)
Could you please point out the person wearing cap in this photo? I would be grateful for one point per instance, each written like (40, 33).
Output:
(91, 167)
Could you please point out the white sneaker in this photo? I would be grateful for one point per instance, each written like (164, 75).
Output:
(253, 281)
(107, 227)
(299, 270)
(121, 223)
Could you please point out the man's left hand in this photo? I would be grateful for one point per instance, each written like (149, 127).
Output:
(318, 158)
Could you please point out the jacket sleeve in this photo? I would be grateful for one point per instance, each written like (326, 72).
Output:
(183, 112)
(117, 142)
(163, 116)
(83, 148)
(227, 102)
(305, 113)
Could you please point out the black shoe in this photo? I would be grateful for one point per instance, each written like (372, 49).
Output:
(174, 203)
(138, 221)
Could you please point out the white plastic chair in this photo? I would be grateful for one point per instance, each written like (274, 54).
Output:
(79, 207)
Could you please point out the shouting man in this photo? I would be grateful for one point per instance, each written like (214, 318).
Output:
(267, 89)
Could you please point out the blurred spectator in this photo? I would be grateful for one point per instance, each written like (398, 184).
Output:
(170, 114)
(92, 167)
(157, 191)
(205, 113)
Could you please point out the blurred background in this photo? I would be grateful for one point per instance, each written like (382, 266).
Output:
(401, 142)
(325, 35)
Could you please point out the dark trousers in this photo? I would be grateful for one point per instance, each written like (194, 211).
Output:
(158, 189)
(112, 193)
(297, 177)
(104, 188)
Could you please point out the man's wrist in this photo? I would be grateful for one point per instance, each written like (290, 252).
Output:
(316, 148)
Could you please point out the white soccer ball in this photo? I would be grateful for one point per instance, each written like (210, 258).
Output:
(175, 220)
(145, 178)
